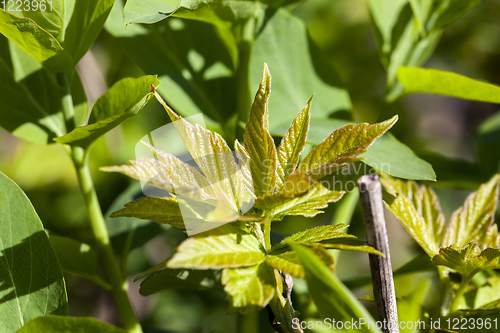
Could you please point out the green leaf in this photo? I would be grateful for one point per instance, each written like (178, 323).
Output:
(488, 294)
(468, 261)
(225, 246)
(394, 158)
(51, 20)
(249, 286)
(159, 210)
(31, 280)
(446, 12)
(128, 233)
(341, 147)
(420, 80)
(318, 234)
(86, 21)
(307, 205)
(222, 13)
(331, 297)
(35, 41)
(258, 142)
(292, 144)
(34, 97)
(59, 324)
(122, 101)
(75, 257)
(474, 220)
(287, 261)
(196, 77)
(188, 279)
(486, 142)
(299, 69)
(418, 209)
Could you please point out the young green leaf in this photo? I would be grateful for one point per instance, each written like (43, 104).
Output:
(472, 221)
(258, 142)
(247, 286)
(287, 260)
(420, 80)
(122, 101)
(160, 210)
(418, 210)
(35, 41)
(32, 282)
(341, 147)
(331, 297)
(292, 144)
(58, 324)
(309, 204)
(468, 261)
(225, 246)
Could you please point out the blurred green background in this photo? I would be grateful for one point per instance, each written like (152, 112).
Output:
(442, 130)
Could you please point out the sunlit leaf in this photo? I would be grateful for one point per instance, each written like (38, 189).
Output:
(160, 210)
(35, 41)
(471, 221)
(122, 101)
(307, 205)
(488, 294)
(31, 280)
(420, 80)
(247, 286)
(419, 211)
(225, 246)
(330, 295)
(292, 144)
(258, 142)
(468, 261)
(341, 147)
(287, 260)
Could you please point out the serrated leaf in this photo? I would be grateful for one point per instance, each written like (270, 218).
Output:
(475, 218)
(341, 147)
(249, 286)
(307, 205)
(225, 246)
(295, 186)
(258, 142)
(122, 101)
(319, 234)
(58, 324)
(183, 279)
(421, 80)
(329, 294)
(31, 280)
(287, 261)
(211, 153)
(468, 261)
(35, 41)
(160, 210)
(75, 257)
(292, 144)
(418, 210)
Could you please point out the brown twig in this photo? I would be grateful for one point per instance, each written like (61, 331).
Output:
(370, 191)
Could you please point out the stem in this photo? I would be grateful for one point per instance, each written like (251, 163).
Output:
(458, 295)
(118, 283)
(67, 101)
(267, 234)
(248, 322)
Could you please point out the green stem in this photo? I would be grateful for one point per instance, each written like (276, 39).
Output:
(267, 235)
(118, 282)
(458, 295)
(67, 101)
